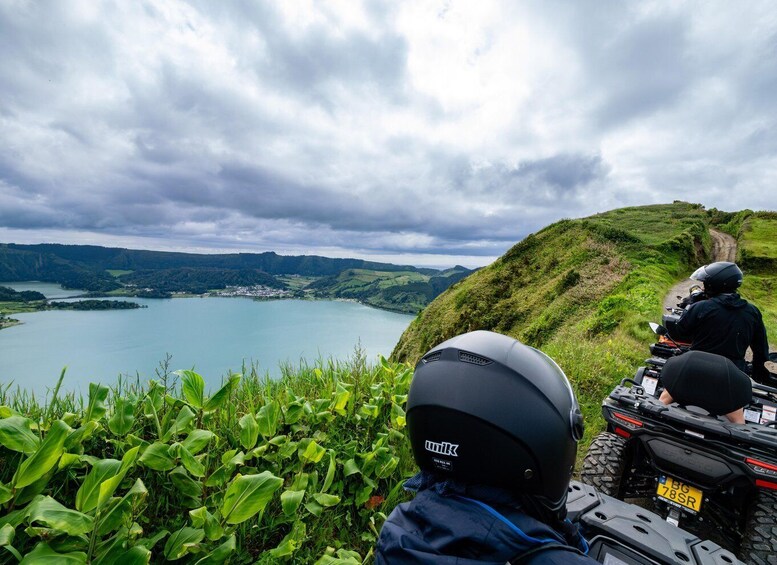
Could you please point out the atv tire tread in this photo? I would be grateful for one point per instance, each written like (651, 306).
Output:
(605, 463)
(759, 544)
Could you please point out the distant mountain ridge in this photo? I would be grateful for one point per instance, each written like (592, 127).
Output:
(112, 269)
(117, 258)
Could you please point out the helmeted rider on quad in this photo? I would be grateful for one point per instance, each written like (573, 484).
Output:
(494, 427)
(725, 323)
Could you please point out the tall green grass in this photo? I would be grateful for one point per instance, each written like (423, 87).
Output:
(299, 469)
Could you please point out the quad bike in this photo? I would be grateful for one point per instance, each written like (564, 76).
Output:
(665, 346)
(698, 471)
(625, 534)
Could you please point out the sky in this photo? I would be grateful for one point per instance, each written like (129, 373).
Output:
(418, 132)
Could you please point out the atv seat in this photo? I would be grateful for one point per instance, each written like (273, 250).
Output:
(706, 380)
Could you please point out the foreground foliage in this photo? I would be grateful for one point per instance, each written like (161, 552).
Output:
(295, 470)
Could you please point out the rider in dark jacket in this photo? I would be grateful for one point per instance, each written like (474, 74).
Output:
(494, 427)
(449, 522)
(725, 323)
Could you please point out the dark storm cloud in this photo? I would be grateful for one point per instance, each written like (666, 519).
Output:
(380, 127)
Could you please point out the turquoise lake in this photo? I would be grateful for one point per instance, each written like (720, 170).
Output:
(211, 335)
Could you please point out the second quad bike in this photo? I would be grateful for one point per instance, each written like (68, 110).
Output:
(698, 471)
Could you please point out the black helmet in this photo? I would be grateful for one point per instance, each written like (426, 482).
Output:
(722, 276)
(486, 409)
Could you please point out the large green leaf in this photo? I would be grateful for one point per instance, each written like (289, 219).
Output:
(69, 460)
(157, 457)
(191, 463)
(109, 486)
(190, 490)
(77, 437)
(96, 408)
(193, 388)
(123, 416)
(290, 501)
(182, 542)
(26, 494)
(294, 411)
(249, 431)
(247, 495)
(6, 493)
(197, 440)
(330, 472)
(89, 493)
(15, 434)
(220, 554)
(311, 453)
(182, 423)
(14, 518)
(398, 417)
(222, 394)
(385, 466)
(201, 518)
(7, 533)
(268, 419)
(350, 467)
(47, 511)
(136, 555)
(344, 557)
(45, 457)
(326, 500)
(44, 555)
(340, 400)
(117, 509)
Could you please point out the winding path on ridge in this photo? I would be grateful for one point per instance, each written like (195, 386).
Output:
(724, 248)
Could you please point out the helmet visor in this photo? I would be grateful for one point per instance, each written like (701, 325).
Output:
(700, 274)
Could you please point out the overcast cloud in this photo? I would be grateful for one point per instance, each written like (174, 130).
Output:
(414, 132)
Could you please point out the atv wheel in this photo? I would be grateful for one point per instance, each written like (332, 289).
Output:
(605, 463)
(759, 542)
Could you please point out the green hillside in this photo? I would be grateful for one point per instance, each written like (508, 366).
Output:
(156, 274)
(403, 291)
(583, 290)
(757, 237)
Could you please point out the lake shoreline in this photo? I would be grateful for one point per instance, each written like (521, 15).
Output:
(9, 323)
(99, 345)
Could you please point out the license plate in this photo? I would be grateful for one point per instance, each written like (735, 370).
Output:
(673, 490)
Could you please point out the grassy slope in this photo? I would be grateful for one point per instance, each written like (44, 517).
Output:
(582, 290)
(404, 291)
(758, 258)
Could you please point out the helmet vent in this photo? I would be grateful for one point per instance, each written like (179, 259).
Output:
(474, 359)
(433, 357)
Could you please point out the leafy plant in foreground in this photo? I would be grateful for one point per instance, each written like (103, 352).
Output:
(268, 471)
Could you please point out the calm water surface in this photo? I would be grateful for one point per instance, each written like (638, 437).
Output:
(211, 335)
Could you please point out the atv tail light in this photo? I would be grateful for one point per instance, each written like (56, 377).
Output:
(765, 484)
(768, 469)
(621, 432)
(626, 421)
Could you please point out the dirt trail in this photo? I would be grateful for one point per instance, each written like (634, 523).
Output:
(724, 248)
